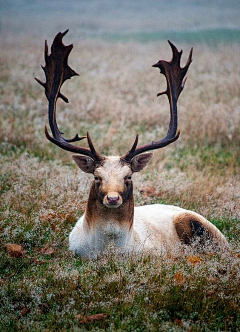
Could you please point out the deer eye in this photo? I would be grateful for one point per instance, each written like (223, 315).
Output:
(96, 178)
(128, 178)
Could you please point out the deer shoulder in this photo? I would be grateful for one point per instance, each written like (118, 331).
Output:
(111, 217)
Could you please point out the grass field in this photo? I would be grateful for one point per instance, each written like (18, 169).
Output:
(43, 193)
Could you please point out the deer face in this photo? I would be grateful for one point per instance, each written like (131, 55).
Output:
(113, 182)
(113, 177)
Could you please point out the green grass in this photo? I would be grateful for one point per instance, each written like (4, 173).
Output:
(206, 36)
(138, 293)
(214, 158)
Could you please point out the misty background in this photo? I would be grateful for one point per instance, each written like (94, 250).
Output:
(185, 20)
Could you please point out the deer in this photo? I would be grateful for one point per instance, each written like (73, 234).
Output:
(110, 217)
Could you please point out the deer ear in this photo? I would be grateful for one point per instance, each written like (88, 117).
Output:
(86, 164)
(140, 161)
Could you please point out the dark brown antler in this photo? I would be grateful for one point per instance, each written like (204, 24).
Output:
(175, 83)
(57, 72)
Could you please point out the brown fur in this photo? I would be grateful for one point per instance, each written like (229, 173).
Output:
(97, 212)
(190, 227)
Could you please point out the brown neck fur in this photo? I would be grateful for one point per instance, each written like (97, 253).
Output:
(97, 212)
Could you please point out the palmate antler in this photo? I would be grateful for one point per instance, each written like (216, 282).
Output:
(57, 72)
(175, 83)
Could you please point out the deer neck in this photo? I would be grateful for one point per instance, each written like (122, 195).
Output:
(101, 218)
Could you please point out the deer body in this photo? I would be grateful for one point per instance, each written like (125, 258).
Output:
(110, 216)
(157, 227)
(153, 229)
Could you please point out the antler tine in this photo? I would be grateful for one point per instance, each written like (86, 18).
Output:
(175, 77)
(96, 156)
(176, 56)
(189, 60)
(57, 71)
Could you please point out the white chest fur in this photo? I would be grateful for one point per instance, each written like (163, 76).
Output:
(152, 229)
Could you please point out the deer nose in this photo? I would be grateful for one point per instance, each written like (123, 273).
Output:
(112, 199)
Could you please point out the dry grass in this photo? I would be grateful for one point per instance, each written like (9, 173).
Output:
(43, 194)
(115, 97)
(116, 92)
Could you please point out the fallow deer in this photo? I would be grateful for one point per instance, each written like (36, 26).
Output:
(110, 215)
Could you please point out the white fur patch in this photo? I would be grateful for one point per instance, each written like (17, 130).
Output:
(113, 173)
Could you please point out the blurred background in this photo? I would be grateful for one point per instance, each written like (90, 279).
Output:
(135, 20)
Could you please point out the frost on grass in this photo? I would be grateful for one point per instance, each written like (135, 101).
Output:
(38, 197)
(43, 193)
(158, 290)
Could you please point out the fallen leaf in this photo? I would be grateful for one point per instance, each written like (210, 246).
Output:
(179, 278)
(210, 293)
(193, 259)
(37, 261)
(3, 282)
(174, 258)
(47, 251)
(49, 216)
(91, 318)
(25, 311)
(55, 227)
(150, 191)
(234, 304)
(15, 250)
(178, 322)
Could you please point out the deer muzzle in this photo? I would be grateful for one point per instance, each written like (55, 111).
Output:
(112, 200)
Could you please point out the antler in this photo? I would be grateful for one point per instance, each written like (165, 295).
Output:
(57, 72)
(175, 83)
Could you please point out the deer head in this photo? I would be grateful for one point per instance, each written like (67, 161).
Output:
(112, 175)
